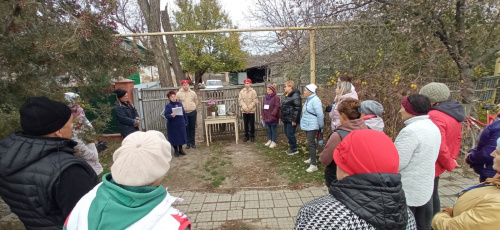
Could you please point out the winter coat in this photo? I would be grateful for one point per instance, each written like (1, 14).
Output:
(176, 126)
(113, 206)
(271, 115)
(291, 107)
(362, 201)
(326, 156)
(334, 114)
(475, 209)
(88, 152)
(248, 99)
(374, 122)
(188, 98)
(418, 148)
(30, 178)
(448, 117)
(312, 114)
(127, 117)
(479, 157)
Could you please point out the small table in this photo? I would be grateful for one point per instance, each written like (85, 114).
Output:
(220, 120)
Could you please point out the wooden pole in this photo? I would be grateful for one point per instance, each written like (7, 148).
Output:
(312, 52)
(240, 30)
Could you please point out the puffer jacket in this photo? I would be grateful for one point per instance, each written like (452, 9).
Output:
(271, 115)
(312, 114)
(361, 201)
(479, 157)
(30, 170)
(476, 209)
(334, 114)
(188, 98)
(326, 156)
(247, 98)
(448, 117)
(291, 107)
(418, 148)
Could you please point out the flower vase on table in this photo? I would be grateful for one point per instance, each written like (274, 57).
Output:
(212, 107)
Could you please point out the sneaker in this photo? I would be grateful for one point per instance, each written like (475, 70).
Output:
(291, 152)
(308, 161)
(312, 168)
(193, 146)
(272, 145)
(188, 146)
(268, 143)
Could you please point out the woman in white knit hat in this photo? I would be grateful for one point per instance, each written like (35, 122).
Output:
(131, 196)
(311, 122)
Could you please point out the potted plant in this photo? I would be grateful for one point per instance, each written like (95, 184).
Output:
(212, 106)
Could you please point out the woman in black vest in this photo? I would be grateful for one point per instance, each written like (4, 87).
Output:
(126, 114)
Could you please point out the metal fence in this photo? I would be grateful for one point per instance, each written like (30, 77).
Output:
(484, 89)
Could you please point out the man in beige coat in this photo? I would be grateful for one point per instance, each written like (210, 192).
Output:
(189, 100)
(248, 103)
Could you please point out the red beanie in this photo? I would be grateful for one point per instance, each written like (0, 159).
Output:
(248, 80)
(184, 81)
(367, 151)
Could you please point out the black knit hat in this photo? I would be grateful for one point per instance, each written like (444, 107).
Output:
(120, 93)
(41, 116)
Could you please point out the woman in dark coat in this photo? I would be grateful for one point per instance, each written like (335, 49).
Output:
(291, 108)
(126, 114)
(176, 124)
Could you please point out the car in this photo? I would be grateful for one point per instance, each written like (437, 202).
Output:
(213, 84)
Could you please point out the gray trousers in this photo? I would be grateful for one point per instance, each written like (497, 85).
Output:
(311, 145)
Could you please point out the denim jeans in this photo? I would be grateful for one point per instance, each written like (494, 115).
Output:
(191, 127)
(436, 202)
(290, 134)
(272, 132)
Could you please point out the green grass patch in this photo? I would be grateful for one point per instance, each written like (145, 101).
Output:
(292, 167)
(215, 166)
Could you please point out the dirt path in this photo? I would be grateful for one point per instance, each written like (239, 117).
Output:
(224, 166)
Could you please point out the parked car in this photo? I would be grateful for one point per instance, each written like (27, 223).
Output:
(213, 84)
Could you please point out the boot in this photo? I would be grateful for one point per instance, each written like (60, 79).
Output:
(181, 152)
(252, 139)
(246, 139)
(176, 153)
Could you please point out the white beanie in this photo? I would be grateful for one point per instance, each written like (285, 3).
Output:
(312, 88)
(143, 158)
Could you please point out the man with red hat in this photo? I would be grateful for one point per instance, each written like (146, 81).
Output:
(189, 99)
(368, 193)
(248, 102)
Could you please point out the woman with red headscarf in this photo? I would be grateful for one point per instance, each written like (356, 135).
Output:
(368, 193)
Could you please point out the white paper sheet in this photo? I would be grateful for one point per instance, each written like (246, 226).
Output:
(177, 111)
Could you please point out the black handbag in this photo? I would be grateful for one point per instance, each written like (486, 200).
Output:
(101, 146)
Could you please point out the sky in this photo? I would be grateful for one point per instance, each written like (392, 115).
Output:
(238, 10)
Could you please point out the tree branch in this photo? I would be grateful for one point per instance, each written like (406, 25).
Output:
(485, 55)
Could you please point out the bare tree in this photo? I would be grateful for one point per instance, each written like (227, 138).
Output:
(172, 48)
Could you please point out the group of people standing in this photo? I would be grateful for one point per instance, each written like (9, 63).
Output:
(181, 128)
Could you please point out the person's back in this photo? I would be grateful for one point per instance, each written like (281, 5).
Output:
(131, 197)
(480, 157)
(368, 194)
(40, 178)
